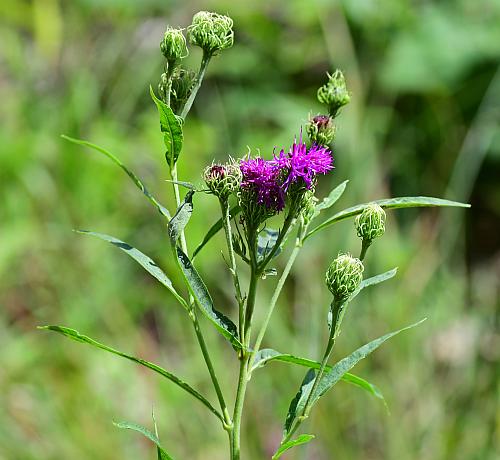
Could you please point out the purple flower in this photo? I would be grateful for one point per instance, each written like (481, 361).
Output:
(263, 178)
(302, 163)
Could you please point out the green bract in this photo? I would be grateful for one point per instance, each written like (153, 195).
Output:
(212, 32)
(370, 224)
(173, 46)
(344, 276)
(222, 179)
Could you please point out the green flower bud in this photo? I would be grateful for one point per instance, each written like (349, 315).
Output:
(223, 179)
(321, 130)
(173, 46)
(334, 93)
(182, 84)
(212, 32)
(370, 224)
(344, 276)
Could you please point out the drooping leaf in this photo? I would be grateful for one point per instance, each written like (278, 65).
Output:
(331, 199)
(335, 374)
(265, 243)
(298, 402)
(182, 183)
(162, 454)
(181, 217)
(144, 261)
(171, 127)
(140, 185)
(302, 439)
(262, 357)
(214, 229)
(391, 203)
(200, 292)
(75, 335)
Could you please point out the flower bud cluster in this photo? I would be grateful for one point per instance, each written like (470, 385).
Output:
(370, 224)
(212, 32)
(344, 276)
(334, 93)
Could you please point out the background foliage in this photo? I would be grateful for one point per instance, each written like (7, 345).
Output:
(423, 120)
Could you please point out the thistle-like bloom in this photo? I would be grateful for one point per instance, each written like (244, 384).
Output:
(303, 164)
(321, 130)
(211, 31)
(222, 179)
(263, 178)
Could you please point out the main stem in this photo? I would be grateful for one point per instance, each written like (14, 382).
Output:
(199, 78)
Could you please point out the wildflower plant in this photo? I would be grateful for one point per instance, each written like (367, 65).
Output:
(249, 191)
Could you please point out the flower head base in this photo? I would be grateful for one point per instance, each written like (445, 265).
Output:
(222, 179)
(212, 32)
(321, 130)
(173, 46)
(302, 164)
(344, 276)
(334, 93)
(370, 224)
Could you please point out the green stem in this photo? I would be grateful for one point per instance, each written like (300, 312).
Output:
(232, 265)
(199, 78)
(192, 311)
(364, 247)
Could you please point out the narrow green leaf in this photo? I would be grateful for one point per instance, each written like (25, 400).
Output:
(162, 454)
(298, 402)
(214, 229)
(140, 185)
(331, 199)
(392, 203)
(266, 242)
(75, 335)
(302, 439)
(182, 183)
(181, 217)
(262, 357)
(171, 127)
(144, 261)
(200, 292)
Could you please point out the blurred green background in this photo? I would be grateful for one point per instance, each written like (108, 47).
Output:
(424, 119)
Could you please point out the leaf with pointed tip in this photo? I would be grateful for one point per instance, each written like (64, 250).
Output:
(266, 242)
(142, 259)
(302, 439)
(178, 223)
(200, 292)
(140, 185)
(162, 454)
(75, 335)
(182, 183)
(171, 127)
(214, 229)
(331, 199)
(391, 203)
(336, 372)
(262, 357)
(298, 402)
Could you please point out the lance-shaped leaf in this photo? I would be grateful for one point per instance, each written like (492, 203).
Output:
(75, 335)
(262, 357)
(181, 217)
(392, 203)
(162, 454)
(298, 402)
(302, 439)
(335, 374)
(214, 229)
(140, 185)
(200, 292)
(142, 259)
(171, 127)
(266, 242)
(331, 199)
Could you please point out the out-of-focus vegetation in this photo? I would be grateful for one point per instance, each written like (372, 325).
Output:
(424, 119)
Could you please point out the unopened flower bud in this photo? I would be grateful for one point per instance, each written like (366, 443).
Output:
(212, 32)
(222, 179)
(344, 276)
(182, 84)
(370, 224)
(321, 130)
(334, 93)
(173, 46)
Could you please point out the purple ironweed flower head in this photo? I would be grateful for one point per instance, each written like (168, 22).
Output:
(302, 163)
(263, 178)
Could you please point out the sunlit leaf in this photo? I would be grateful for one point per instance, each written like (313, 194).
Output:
(302, 439)
(265, 243)
(181, 217)
(140, 185)
(331, 199)
(75, 335)
(392, 203)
